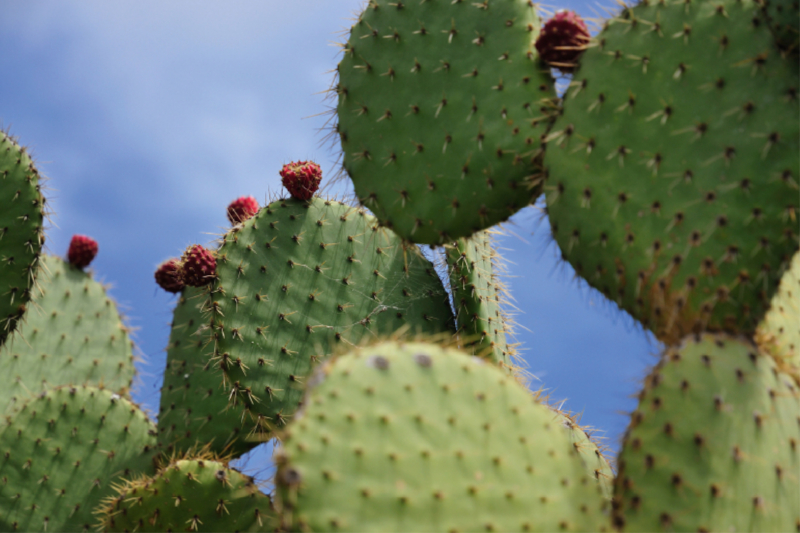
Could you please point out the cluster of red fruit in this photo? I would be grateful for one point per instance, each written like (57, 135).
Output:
(197, 266)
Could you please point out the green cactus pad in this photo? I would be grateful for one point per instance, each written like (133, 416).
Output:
(21, 231)
(783, 17)
(441, 113)
(72, 334)
(779, 332)
(413, 437)
(713, 445)
(300, 278)
(591, 450)
(478, 294)
(673, 171)
(188, 495)
(194, 408)
(63, 451)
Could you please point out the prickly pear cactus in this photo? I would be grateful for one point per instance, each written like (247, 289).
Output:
(188, 495)
(487, 456)
(673, 171)
(63, 451)
(591, 450)
(300, 278)
(194, 408)
(713, 445)
(783, 17)
(21, 231)
(72, 334)
(478, 295)
(441, 113)
(779, 333)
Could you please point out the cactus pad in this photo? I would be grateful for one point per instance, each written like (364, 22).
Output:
(477, 296)
(62, 452)
(72, 334)
(779, 332)
(298, 279)
(713, 445)
(591, 451)
(194, 408)
(21, 231)
(188, 495)
(467, 449)
(673, 171)
(441, 113)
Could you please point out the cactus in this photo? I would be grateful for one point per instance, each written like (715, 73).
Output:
(591, 450)
(21, 231)
(467, 449)
(779, 333)
(193, 494)
(478, 295)
(71, 335)
(782, 17)
(672, 186)
(297, 279)
(194, 410)
(713, 443)
(464, 153)
(673, 171)
(62, 452)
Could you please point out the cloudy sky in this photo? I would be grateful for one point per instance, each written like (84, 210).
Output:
(149, 117)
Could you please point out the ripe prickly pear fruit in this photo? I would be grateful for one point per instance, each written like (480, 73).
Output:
(301, 179)
(82, 250)
(168, 276)
(198, 266)
(242, 208)
(562, 40)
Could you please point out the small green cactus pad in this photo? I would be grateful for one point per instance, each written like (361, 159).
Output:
(188, 495)
(779, 332)
(414, 437)
(713, 445)
(478, 295)
(300, 278)
(71, 334)
(63, 451)
(673, 170)
(591, 451)
(194, 408)
(21, 231)
(441, 113)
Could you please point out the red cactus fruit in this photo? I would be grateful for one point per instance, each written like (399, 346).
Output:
(301, 179)
(168, 276)
(198, 266)
(242, 208)
(562, 40)
(82, 250)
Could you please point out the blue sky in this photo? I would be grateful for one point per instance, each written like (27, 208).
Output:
(149, 117)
